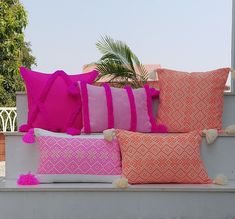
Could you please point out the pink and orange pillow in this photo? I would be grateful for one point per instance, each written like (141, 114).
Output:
(107, 107)
(191, 101)
(162, 158)
(54, 102)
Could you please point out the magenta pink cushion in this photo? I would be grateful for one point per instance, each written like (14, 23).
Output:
(88, 156)
(106, 107)
(50, 104)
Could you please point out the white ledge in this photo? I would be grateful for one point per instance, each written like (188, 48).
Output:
(225, 93)
(11, 186)
(22, 133)
(229, 94)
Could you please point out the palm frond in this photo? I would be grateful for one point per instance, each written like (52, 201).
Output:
(117, 49)
(112, 69)
(119, 63)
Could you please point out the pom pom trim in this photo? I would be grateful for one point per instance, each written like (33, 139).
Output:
(24, 128)
(120, 183)
(73, 131)
(27, 179)
(109, 134)
(29, 137)
(220, 179)
(211, 135)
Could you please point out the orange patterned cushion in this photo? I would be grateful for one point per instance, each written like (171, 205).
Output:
(191, 101)
(162, 158)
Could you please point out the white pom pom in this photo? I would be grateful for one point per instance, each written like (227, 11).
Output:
(109, 134)
(233, 74)
(220, 179)
(230, 130)
(120, 183)
(211, 135)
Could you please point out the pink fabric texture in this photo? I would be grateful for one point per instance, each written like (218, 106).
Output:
(122, 115)
(53, 103)
(109, 105)
(131, 108)
(87, 156)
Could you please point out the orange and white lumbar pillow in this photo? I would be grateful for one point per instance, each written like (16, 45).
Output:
(162, 158)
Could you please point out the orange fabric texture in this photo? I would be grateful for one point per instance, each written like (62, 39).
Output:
(191, 101)
(162, 158)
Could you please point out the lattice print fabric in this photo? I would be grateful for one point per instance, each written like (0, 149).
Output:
(78, 156)
(162, 158)
(191, 101)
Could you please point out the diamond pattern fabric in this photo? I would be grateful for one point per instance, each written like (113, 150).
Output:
(191, 101)
(78, 156)
(162, 158)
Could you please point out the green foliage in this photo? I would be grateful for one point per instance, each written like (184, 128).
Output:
(14, 51)
(119, 64)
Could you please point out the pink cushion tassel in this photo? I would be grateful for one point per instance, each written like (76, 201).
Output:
(29, 137)
(24, 128)
(73, 131)
(27, 179)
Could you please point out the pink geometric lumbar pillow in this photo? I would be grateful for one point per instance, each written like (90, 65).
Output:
(191, 101)
(107, 107)
(162, 158)
(54, 102)
(64, 158)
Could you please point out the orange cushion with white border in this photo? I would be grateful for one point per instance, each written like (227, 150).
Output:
(191, 101)
(162, 158)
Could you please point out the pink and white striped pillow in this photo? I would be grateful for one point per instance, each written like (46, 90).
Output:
(107, 107)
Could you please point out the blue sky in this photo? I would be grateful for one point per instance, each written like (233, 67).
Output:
(184, 34)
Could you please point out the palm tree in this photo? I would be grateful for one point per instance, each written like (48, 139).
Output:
(119, 64)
